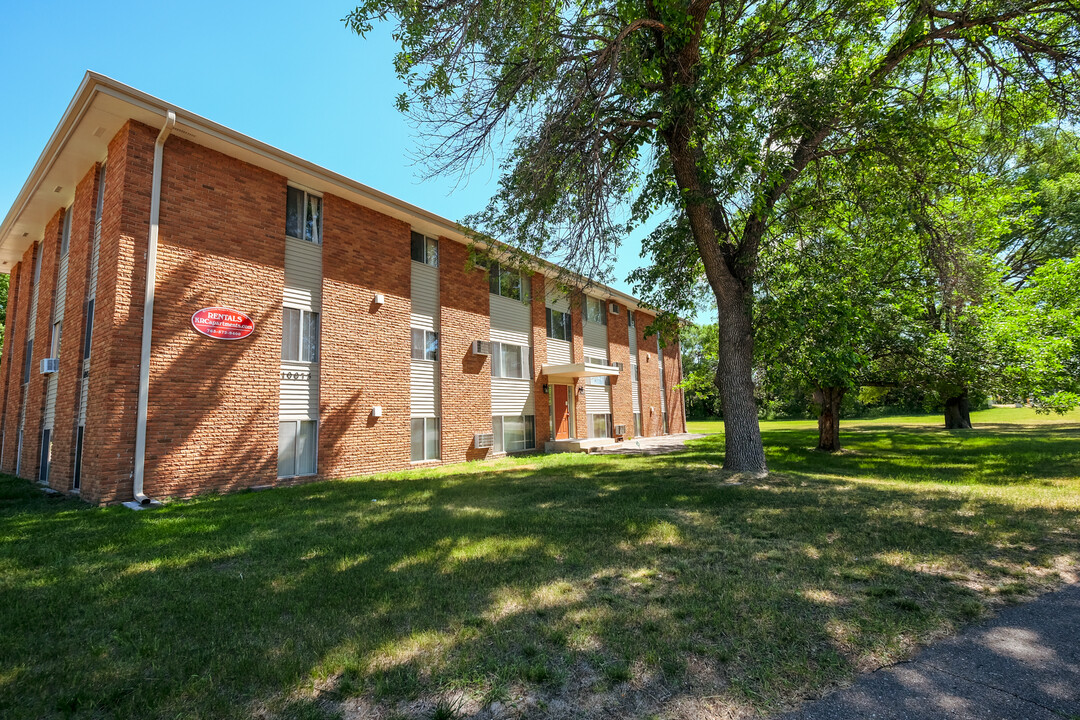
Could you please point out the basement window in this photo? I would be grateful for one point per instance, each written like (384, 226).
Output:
(425, 439)
(303, 216)
(296, 447)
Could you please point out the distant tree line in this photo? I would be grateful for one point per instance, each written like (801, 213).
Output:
(931, 289)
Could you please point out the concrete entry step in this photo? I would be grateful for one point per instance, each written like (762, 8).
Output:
(585, 445)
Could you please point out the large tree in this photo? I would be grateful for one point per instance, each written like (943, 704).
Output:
(708, 111)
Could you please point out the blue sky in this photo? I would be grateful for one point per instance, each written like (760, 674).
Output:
(289, 74)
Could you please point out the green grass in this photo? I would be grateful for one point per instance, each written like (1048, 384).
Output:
(536, 580)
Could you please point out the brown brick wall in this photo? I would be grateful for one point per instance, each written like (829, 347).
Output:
(539, 349)
(622, 399)
(676, 403)
(213, 410)
(649, 372)
(109, 442)
(22, 324)
(365, 347)
(213, 404)
(12, 364)
(35, 405)
(465, 377)
(71, 344)
(577, 354)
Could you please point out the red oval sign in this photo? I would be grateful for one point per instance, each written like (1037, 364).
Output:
(222, 323)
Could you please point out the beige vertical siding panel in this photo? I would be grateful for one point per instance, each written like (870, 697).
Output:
(558, 352)
(425, 297)
(597, 399)
(511, 321)
(303, 274)
(423, 381)
(510, 396)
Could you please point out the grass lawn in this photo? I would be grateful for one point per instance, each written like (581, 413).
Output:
(553, 586)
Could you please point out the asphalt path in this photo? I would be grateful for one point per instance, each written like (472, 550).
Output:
(1024, 664)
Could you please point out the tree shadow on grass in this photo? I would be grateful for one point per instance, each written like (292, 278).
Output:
(560, 581)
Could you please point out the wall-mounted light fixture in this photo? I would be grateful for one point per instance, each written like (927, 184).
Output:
(545, 386)
(376, 412)
(379, 299)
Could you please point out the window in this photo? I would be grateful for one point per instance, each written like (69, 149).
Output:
(663, 416)
(630, 316)
(635, 375)
(303, 215)
(514, 433)
(299, 335)
(601, 380)
(425, 439)
(101, 195)
(637, 424)
(54, 345)
(507, 283)
(425, 344)
(296, 448)
(599, 425)
(89, 333)
(425, 249)
(28, 360)
(37, 263)
(558, 325)
(46, 455)
(594, 311)
(510, 361)
(65, 238)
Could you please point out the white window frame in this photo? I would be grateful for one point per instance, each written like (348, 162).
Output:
(590, 304)
(428, 241)
(590, 419)
(498, 369)
(300, 335)
(425, 432)
(303, 220)
(425, 344)
(296, 459)
(498, 428)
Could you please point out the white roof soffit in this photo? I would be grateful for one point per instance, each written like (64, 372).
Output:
(100, 108)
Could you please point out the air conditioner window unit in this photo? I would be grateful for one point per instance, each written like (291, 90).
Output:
(613, 308)
(481, 347)
(483, 440)
(50, 365)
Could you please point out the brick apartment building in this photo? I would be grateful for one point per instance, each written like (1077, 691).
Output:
(298, 325)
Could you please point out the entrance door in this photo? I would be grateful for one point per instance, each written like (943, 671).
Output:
(562, 411)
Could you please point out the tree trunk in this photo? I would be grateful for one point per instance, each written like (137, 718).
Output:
(828, 422)
(958, 412)
(743, 450)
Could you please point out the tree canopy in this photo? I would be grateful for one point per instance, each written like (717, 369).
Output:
(605, 114)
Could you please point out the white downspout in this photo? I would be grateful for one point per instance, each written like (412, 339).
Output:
(148, 311)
